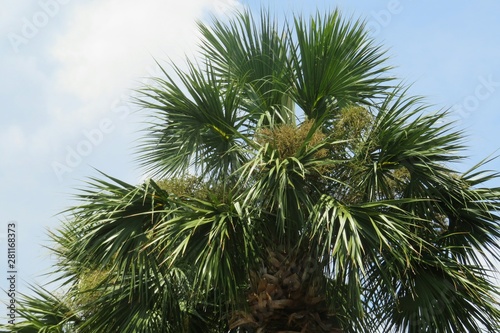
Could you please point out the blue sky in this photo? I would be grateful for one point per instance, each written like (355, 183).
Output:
(68, 69)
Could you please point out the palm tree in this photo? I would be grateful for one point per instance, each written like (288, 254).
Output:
(295, 187)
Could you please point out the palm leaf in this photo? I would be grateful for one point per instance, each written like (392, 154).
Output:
(334, 64)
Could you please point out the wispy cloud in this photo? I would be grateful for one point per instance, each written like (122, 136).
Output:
(112, 42)
(90, 56)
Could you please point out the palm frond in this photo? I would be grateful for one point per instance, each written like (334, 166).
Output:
(335, 64)
(43, 311)
(196, 125)
(253, 53)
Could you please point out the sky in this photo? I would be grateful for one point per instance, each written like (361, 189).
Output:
(68, 70)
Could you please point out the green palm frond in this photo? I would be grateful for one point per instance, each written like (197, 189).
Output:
(471, 209)
(216, 237)
(43, 311)
(253, 53)
(440, 296)
(404, 138)
(335, 64)
(117, 229)
(196, 125)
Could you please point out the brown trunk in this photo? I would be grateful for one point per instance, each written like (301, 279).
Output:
(287, 296)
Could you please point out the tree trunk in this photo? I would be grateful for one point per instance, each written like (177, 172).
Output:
(287, 296)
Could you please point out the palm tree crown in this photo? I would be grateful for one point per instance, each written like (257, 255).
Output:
(296, 187)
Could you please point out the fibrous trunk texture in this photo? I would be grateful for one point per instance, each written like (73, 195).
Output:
(287, 296)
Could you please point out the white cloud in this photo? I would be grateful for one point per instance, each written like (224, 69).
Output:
(104, 48)
(110, 44)
(15, 138)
